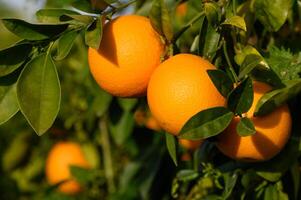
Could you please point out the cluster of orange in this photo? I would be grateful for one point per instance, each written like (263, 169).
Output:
(129, 64)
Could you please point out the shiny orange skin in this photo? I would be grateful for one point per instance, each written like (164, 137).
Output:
(179, 88)
(129, 52)
(190, 144)
(61, 156)
(273, 131)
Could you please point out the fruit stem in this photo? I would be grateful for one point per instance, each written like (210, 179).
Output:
(106, 147)
(229, 62)
(186, 26)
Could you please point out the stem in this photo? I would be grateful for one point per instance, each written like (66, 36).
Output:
(106, 147)
(229, 63)
(186, 26)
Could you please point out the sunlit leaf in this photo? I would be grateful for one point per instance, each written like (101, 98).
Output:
(160, 19)
(65, 43)
(236, 21)
(93, 33)
(8, 102)
(38, 91)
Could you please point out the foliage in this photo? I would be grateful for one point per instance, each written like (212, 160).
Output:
(46, 87)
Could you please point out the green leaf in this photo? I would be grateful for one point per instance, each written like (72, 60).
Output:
(295, 172)
(101, 102)
(84, 19)
(187, 175)
(209, 45)
(245, 127)
(65, 43)
(93, 33)
(247, 50)
(53, 15)
(212, 12)
(236, 21)
(29, 31)
(83, 5)
(249, 63)
(206, 123)
(221, 81)
(241, 98)
(39, 93)
(16, 151)
(271, 193)
(127, 104)
(230, 181)
(13, 57)
(160, 19)
(122, 128)
(8, 103)
(272, 14)
(171, 147)
(271, 100)
(285, 64)
(82, 175)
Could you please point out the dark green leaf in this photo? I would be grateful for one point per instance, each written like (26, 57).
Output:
(230, 181)
(249, 63)
(236, 21)
(127, 104)
(53, 15)
(272, 14)
(187, 175)
(245, 127)
(29, 31)
(241, 98)
(212, 12)
(13, 57)
(271, 100)
(211, 42)
(39, 93)
(221, 81)
(8, 103)
(271, 193)
(171, 147)
(93, 33)
(206, 123)
(160, 19)
(65, 43)
(82, 175)
(122, 128)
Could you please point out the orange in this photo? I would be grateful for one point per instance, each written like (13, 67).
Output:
(190, 144)
(129, 52)
(61, 156)
(181, 9)
(179, 88)
(272, 132)
(145, 118)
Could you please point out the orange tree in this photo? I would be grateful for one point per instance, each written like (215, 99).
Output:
(222, 77)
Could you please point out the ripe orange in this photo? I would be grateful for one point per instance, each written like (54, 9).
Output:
(190, 144)
(61, 156)
(272, 132)
(179, 88)
(129, 52)
(144, 118)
